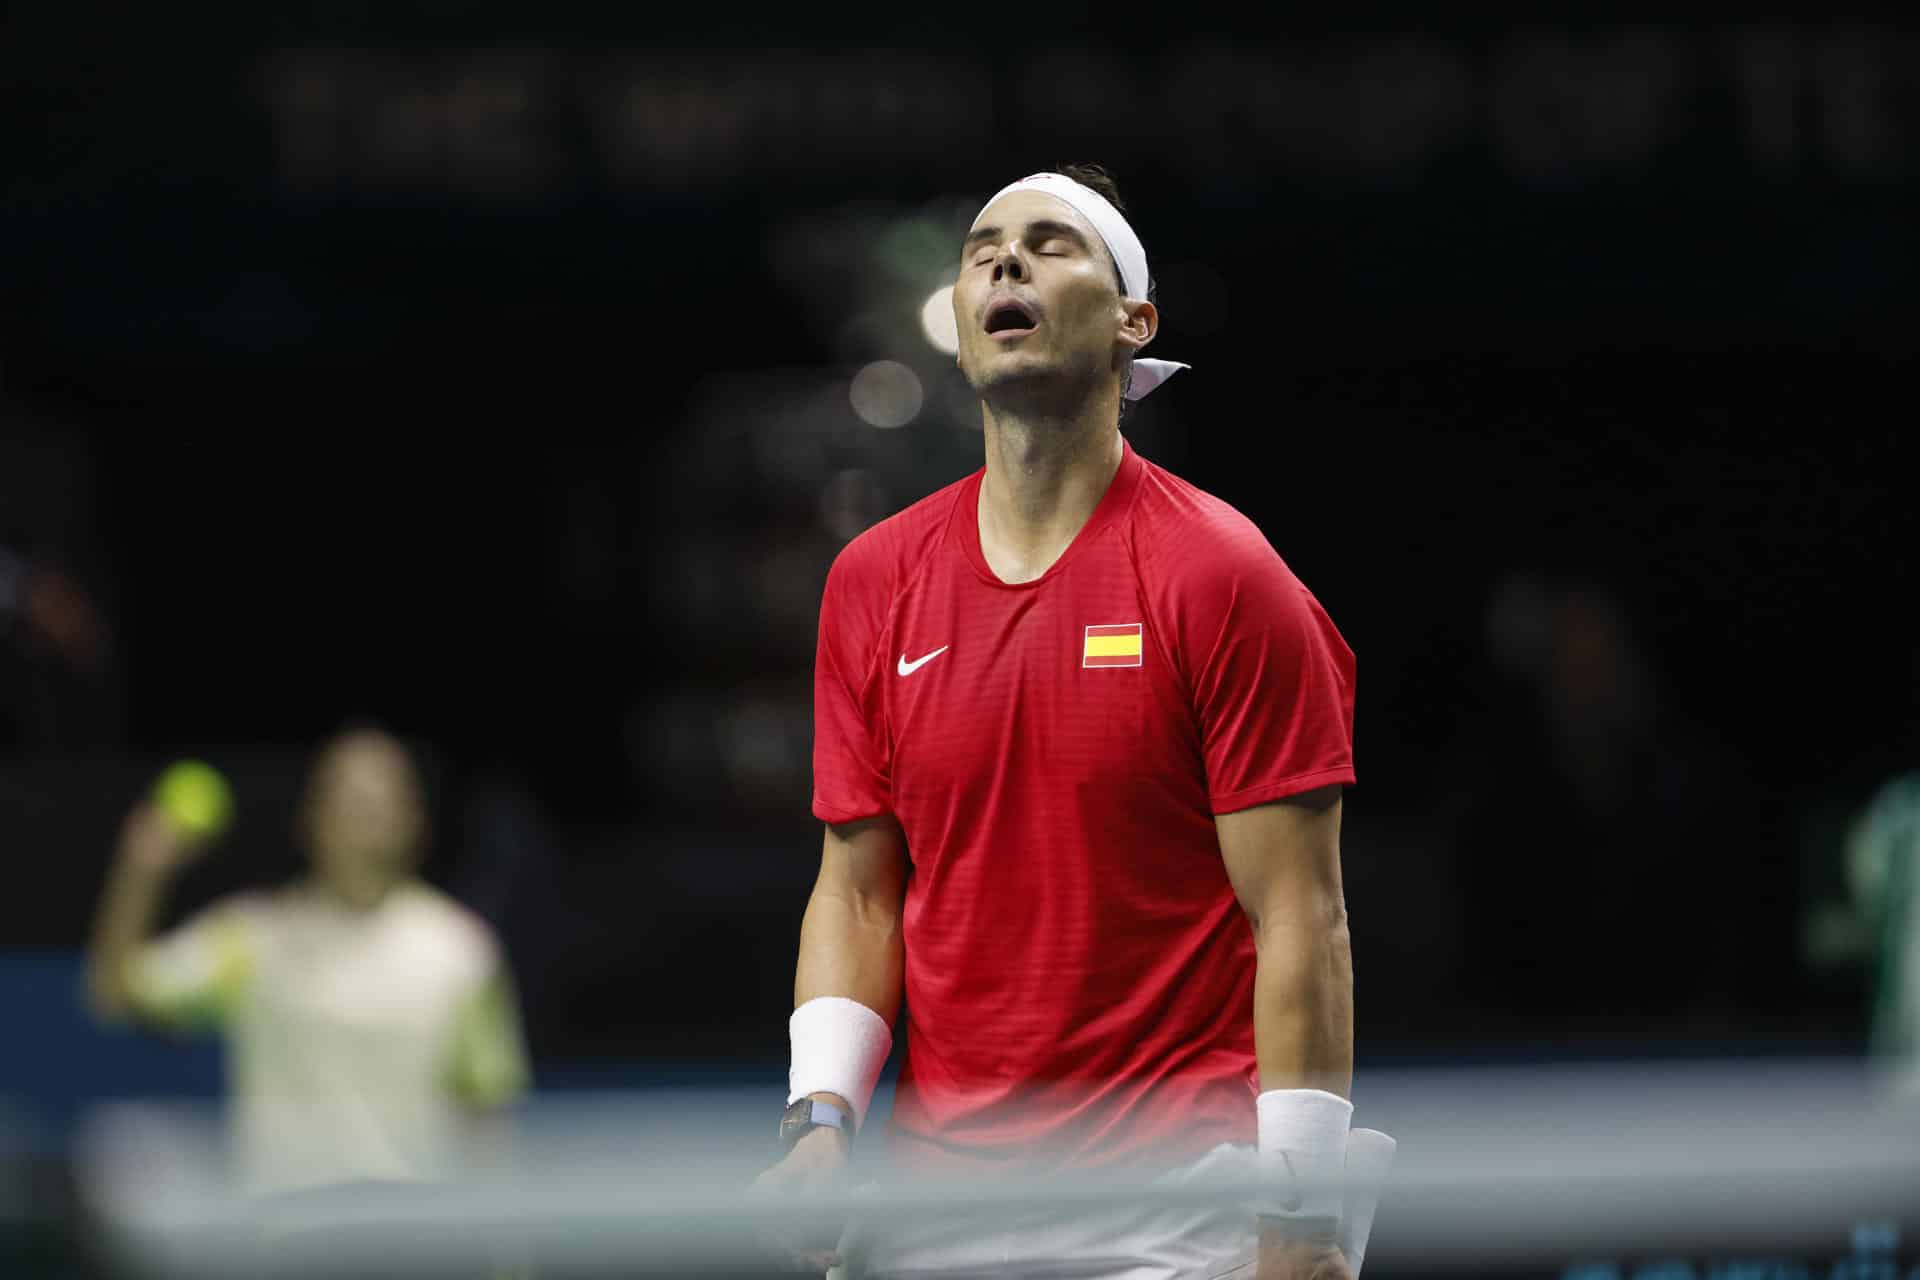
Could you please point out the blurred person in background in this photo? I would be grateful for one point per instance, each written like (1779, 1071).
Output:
(1883, 875)
(369, 1020)
(1080, 740)
(1615, 855)
(54, 644)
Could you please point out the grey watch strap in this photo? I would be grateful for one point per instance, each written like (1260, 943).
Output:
(804, 1115)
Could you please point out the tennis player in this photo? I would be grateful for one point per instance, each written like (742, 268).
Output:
(1080, 745)
(369, 1023)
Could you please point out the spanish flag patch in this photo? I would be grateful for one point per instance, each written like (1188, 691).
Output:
(1112, 646)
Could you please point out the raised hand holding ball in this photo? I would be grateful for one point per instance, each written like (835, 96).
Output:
(195, 798)
(189, 807)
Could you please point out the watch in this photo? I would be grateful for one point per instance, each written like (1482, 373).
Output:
(806, 1115)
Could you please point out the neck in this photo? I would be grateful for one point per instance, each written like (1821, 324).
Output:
(356, 899)
(1045, 475)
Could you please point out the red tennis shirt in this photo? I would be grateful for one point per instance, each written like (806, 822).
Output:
(1079, 975)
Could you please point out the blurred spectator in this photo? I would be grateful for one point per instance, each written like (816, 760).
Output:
(53, 607)
(1883, 873)
(369, 1019)
(53, 639)
(1612, 853)
(61, 685)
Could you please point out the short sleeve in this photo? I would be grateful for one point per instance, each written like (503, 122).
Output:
(1272, 681)
(195, 977)
(850, 762)
(488, 1066)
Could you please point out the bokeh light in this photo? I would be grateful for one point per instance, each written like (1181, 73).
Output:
(886, 394)
(936, 320)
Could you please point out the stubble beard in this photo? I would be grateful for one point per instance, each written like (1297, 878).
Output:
(1037, 389)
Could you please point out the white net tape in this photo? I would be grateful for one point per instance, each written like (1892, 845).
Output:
(1510, 1168)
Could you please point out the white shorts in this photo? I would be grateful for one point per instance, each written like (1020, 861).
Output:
(1120, 1244)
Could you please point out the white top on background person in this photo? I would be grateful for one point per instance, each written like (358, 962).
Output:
(368, 1018)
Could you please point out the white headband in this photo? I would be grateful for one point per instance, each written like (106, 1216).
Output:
(1128, 254)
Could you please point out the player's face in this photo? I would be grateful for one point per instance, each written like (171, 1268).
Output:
(1037, 297)
(365, 820)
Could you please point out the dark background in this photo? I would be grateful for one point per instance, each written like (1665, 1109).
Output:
(485, 370)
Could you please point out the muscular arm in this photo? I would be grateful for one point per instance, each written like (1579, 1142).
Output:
(123, 922)
(850, 936)
(1284, 862)
(137, 882)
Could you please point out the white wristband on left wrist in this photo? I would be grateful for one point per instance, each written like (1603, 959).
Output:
(1303, 1151)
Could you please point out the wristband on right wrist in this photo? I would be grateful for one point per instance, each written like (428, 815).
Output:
(839, 1047)
(1303, 1152)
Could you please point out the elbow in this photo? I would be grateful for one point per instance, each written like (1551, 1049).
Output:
(877, 912)
(1320, 920)
(869, 909)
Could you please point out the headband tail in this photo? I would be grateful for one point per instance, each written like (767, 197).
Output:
(1148, 374)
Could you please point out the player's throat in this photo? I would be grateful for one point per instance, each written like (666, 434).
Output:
(1038, 494)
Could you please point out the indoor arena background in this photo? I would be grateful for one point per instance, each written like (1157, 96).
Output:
(510, 375)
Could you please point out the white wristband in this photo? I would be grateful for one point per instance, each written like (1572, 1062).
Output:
(1303, 1149)
(839, 1047)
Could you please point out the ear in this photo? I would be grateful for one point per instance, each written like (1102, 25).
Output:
(1139, 322)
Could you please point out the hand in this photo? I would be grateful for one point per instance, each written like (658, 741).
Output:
(151, 843)
(817, 1161)
(1285, 1259)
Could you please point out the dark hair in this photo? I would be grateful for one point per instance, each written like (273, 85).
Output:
(1097, 178)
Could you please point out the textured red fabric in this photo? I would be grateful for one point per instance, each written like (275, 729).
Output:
(1079, 976)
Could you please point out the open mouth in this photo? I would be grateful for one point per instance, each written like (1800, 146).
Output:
(1009, 317)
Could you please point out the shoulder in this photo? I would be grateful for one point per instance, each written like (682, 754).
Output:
(228, 932)
(443, 921)
(1192, 543)
(251, 912)
(883, 559)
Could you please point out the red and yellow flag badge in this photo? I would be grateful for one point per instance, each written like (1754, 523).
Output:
(1112, 646)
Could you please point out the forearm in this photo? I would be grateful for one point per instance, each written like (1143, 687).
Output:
(1303, 1039)
(1303, 1002)
(1284, 862)
(850, 946)
(129, 909)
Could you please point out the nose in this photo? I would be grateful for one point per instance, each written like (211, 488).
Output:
(1009, 265)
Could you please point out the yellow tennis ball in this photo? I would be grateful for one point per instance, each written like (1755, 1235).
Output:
(195, 798)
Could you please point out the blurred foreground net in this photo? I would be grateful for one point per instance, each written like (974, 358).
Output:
(1618, 1170)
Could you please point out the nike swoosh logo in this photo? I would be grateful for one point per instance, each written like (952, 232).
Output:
(908, 668)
